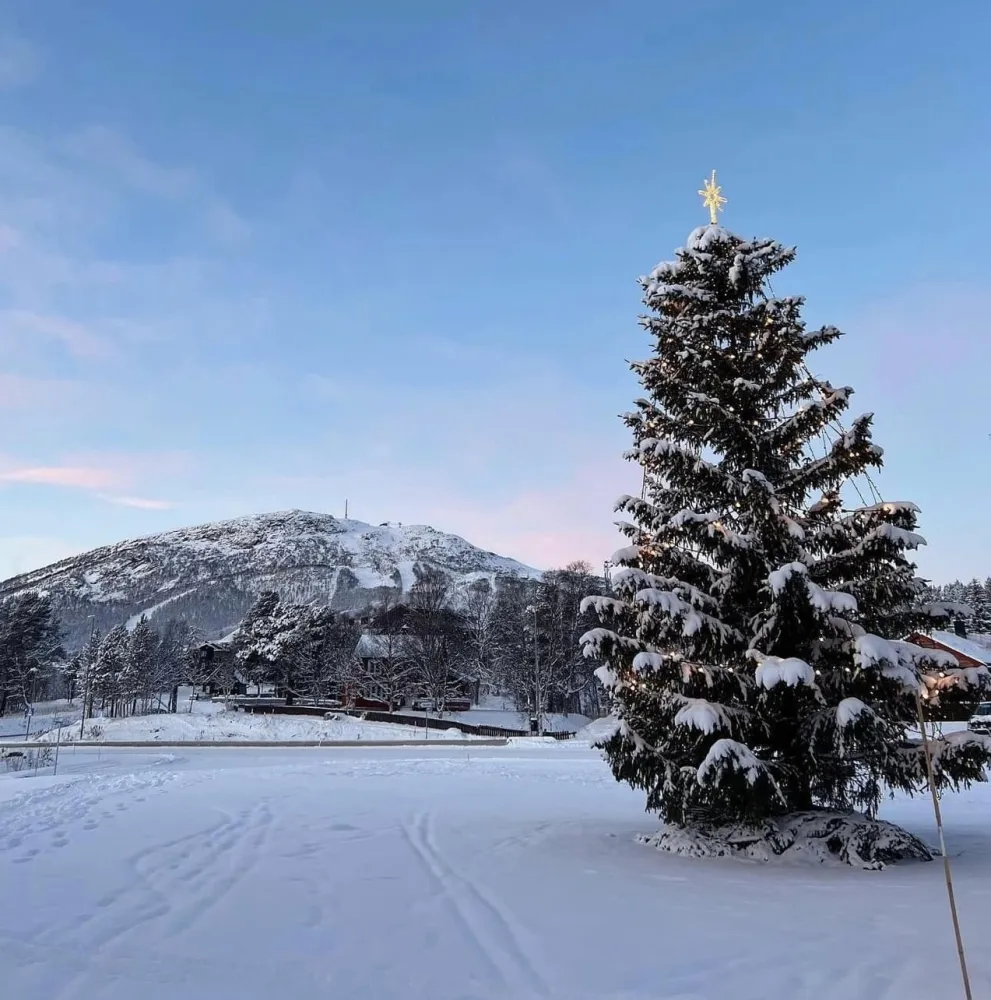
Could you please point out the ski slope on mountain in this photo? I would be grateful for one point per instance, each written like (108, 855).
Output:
(446, 874)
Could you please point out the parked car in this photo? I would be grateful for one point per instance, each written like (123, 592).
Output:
(980, 721)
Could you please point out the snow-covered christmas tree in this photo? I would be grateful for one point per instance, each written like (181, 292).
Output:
(753, 634)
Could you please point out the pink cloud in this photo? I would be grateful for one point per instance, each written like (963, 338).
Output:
(104, 475)
(60, 475)
(552, 527)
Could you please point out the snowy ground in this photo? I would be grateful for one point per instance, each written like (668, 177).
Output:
(440, 875)
(510, 719)
(13, 727)
(209, 721)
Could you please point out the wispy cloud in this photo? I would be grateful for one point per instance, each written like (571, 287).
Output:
(110, 478)
(113, 153)
(118, 159)
(225, 225)
(76, 477)
(78, 339)
(20, 62)
(142, 503)
(22, 392)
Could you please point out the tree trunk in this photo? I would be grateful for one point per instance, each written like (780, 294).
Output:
(174, 699)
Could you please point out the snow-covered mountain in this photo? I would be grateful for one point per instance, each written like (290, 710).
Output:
(212, 573)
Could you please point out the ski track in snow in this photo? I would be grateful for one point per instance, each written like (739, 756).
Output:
(26, 818)
(212, 861)
(422, 875)
(487, 923)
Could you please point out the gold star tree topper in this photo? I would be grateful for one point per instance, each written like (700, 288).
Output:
(712, 198)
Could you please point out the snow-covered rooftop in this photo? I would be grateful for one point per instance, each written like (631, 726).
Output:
(377, 647)
(961, 645)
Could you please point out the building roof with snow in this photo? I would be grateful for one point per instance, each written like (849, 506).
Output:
(968, 652)
(372, 646)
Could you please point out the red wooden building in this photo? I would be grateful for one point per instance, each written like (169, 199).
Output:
(967, 652)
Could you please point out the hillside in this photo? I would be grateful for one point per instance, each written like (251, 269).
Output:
(210, 574)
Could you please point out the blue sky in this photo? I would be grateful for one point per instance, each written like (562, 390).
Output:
(264, 255)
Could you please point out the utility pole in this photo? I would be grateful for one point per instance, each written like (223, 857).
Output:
(345, 510)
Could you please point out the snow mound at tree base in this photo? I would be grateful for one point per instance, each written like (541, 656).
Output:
(816, 836)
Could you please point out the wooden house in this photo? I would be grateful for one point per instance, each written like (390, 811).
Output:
(967, 652)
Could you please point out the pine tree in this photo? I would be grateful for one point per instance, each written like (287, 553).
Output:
(172, 656)
(250, 637)
(982, 621)
(143, 664)
(978, 600)
(752, 632)
(111, 671)
(30, 641)
(88, 659)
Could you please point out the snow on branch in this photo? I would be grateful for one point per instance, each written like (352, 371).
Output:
(712, 526)
(597, 642)
(895, 660)
(693, 621)
(607, 677)
(892, 507)
(850, 710)
(774, 670)
(648, 660)
(684, 517)
(727, 757)
(956, 677)
(705, 716)
(901, 537)
(603, 606)
(944, 609)
(826, 601)
(779, 579)
(631, 553)
(950, 743)
(680, 460)
(664, 289)
(812, 414)
(631, 578)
